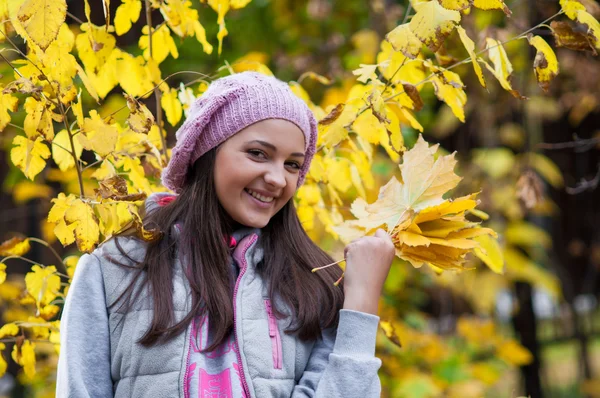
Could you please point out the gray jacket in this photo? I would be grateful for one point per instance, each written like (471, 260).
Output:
(100, 357)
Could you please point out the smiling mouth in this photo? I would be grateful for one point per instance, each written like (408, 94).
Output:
(264, 199)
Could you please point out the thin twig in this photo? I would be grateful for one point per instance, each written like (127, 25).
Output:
(79, 21)
(157, 92)
(578, 143)
(44, 243)
(585, 185)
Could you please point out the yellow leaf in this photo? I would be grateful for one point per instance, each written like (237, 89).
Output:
(546, 168)
(64, 232)
(545, 64)
(137, 175)
(24, 355)
(390, 332)
(10, 329)
(593, 26)
(42, 19)
(2, 273)
(7, 103)
(61, 147)
(514, 353)
(502, 69)
(221, 7)
(403, 39)
(525, 234)
(395, 66)
(566, 36)
(43, 284)
(140, 119)
(127, 13)
(450, 89)
(106, 170)
(369, 127)
(490, 253)
(365, 73)
(162, 44)
(71, 263)
(570, 7)
(95, 47)
(15, 247)
(29, 156)
(492, 5)
(3, 364)
(433, 23)
(38, 120)
(457, 5)
(470, 47)
(134, 75)
(49, 311)
(171, 105)
(333, 133)
(87, 232)
(98, 136)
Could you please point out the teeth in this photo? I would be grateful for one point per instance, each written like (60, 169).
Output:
(266, 199)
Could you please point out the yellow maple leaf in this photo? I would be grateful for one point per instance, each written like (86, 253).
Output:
(425, 227)
(43, 284)
(24, 355)
(29, 155)
(545, 63)
(98, 136)
(162, 44)
(87, 232)
(127, 13)
(470, 47)
(7, 103)
(42, 20)
(61, 150)
(433, 23)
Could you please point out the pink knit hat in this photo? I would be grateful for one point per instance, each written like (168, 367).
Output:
(230, 104)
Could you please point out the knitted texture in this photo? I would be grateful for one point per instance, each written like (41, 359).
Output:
(230, 104)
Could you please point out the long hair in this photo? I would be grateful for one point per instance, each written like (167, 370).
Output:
(289, 257)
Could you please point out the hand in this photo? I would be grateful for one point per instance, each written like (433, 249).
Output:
(368, 261)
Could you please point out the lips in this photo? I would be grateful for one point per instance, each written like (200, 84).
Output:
(259, 196)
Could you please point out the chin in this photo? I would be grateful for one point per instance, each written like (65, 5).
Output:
(254, 223)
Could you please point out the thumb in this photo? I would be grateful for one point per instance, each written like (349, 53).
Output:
(380, 233)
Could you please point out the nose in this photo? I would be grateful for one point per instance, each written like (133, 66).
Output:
(275, 176)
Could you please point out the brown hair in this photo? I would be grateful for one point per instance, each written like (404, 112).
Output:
(289, 256)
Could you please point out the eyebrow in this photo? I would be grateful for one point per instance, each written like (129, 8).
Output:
(273, 147)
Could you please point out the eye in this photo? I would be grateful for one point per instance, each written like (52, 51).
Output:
(295, 165)
(257, 153)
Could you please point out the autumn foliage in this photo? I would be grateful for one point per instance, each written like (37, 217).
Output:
(107, 165)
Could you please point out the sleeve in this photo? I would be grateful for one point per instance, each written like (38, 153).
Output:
(344, 365)
(84, 360)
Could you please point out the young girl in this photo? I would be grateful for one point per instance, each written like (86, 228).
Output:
(224, 304)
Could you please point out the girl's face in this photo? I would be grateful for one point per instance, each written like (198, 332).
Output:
(257, 170)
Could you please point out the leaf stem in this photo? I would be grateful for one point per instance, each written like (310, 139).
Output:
(327, 266)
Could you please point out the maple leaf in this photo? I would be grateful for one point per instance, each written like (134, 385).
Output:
(425, 227)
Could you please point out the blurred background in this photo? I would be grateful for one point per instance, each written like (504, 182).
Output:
(530, 331)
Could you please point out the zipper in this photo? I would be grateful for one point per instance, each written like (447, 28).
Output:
(244, 265)
(275, 336)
